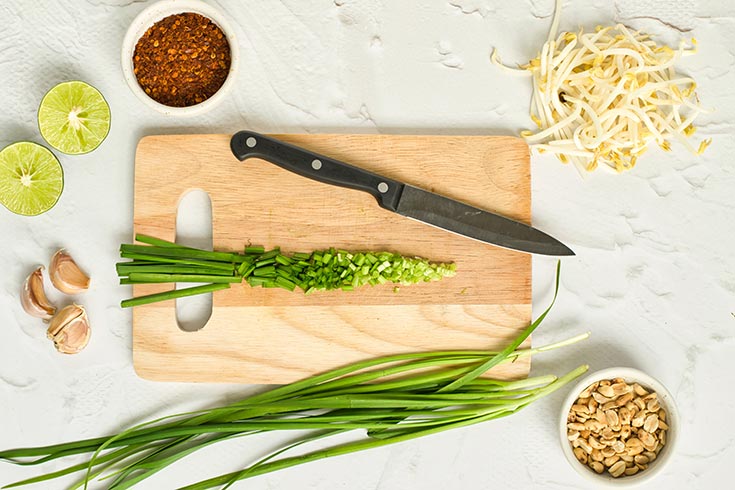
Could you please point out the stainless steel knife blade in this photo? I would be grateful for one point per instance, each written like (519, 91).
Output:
(472, 222)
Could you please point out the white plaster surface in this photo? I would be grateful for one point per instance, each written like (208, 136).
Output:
(653, 279)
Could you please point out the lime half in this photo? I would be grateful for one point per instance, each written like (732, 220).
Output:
(31, 178)
(74, 117)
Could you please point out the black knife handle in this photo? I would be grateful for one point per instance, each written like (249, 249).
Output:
(247, 144)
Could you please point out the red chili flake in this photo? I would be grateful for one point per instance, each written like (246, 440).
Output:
(173, 46)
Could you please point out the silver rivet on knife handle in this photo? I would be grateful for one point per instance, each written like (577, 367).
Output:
(251, 142)
(316, 164)
(382, 187)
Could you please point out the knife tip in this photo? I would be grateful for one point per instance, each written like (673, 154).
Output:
(559, 250)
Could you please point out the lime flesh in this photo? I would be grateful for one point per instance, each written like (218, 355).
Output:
(31, 178)
(74, 117)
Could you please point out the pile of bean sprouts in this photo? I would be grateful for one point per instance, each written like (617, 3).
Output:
(601, 97)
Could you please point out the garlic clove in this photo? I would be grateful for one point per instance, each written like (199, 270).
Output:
(66, 275)
(63, 317)
(70, 330)
(74, 337)
(33, 296)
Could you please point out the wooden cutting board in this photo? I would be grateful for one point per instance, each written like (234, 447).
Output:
(275, 336)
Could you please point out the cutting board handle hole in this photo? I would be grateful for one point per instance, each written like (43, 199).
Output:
(194, 228)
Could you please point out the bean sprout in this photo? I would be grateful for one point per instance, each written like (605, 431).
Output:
(601, 97)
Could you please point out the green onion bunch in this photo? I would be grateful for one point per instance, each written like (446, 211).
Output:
(387, 400)
(160, 261)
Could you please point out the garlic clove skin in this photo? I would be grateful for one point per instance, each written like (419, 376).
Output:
(70, 330)
(33, 296)
(66, 275)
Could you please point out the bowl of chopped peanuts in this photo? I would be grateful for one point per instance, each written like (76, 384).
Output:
(180, 57)
(618, 427)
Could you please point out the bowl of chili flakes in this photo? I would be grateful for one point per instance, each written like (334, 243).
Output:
(180, 57)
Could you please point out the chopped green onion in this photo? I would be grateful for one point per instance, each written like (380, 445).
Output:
(161, 261)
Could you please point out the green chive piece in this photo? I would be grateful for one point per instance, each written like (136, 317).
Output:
(239, 258)
(123, 269)
(254, 250)
(168, 260)
(264, 262)
(176, 293)
(268, 270)
(283, 260)
(178, 252)
(139, 237)
(256, 281)
(270, 254)
(243, 267)
(285, 283)
(143, 277)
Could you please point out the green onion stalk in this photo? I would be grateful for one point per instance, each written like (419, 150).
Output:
(161, 261)
(384, 400)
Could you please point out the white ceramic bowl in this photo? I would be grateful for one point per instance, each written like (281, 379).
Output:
(666, 401)
(153, 14)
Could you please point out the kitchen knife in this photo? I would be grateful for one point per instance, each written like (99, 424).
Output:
(398, 197)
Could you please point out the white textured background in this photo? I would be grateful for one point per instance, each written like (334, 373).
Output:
(653, 279)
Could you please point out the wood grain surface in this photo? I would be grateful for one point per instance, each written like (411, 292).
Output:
(276, 336)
